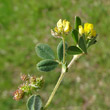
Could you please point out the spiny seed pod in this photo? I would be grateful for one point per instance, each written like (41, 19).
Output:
(18, 94)
(30, 83)
(24, 77)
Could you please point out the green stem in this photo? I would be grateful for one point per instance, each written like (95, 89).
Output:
(63, 50)
(54, 90)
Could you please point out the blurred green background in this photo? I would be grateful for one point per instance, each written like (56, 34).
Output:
(24, 23)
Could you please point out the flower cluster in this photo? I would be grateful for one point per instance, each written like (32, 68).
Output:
(63, 27)
(88, 30)
(30, 83)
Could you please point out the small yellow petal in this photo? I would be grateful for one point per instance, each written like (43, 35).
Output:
(59, 23)
(64, 23)
(67, 27)
(81, 30)
(56, 29)
(88, 27)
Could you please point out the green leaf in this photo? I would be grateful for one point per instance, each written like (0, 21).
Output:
(60, 50)
(34, 103)
(73, 50)
(44, 51)
(47, 65)
(91, 42)
(77, 22)
(82, 44)
(75, 35)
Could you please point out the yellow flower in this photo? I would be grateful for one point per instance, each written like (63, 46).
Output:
(88, 30)
(81, 30)
(63, 27)
(66, 26)
(88, 27)
(60, 25)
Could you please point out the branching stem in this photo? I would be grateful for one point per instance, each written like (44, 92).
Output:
(60, 80)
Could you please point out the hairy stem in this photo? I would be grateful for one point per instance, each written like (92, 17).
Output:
(60, 80)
